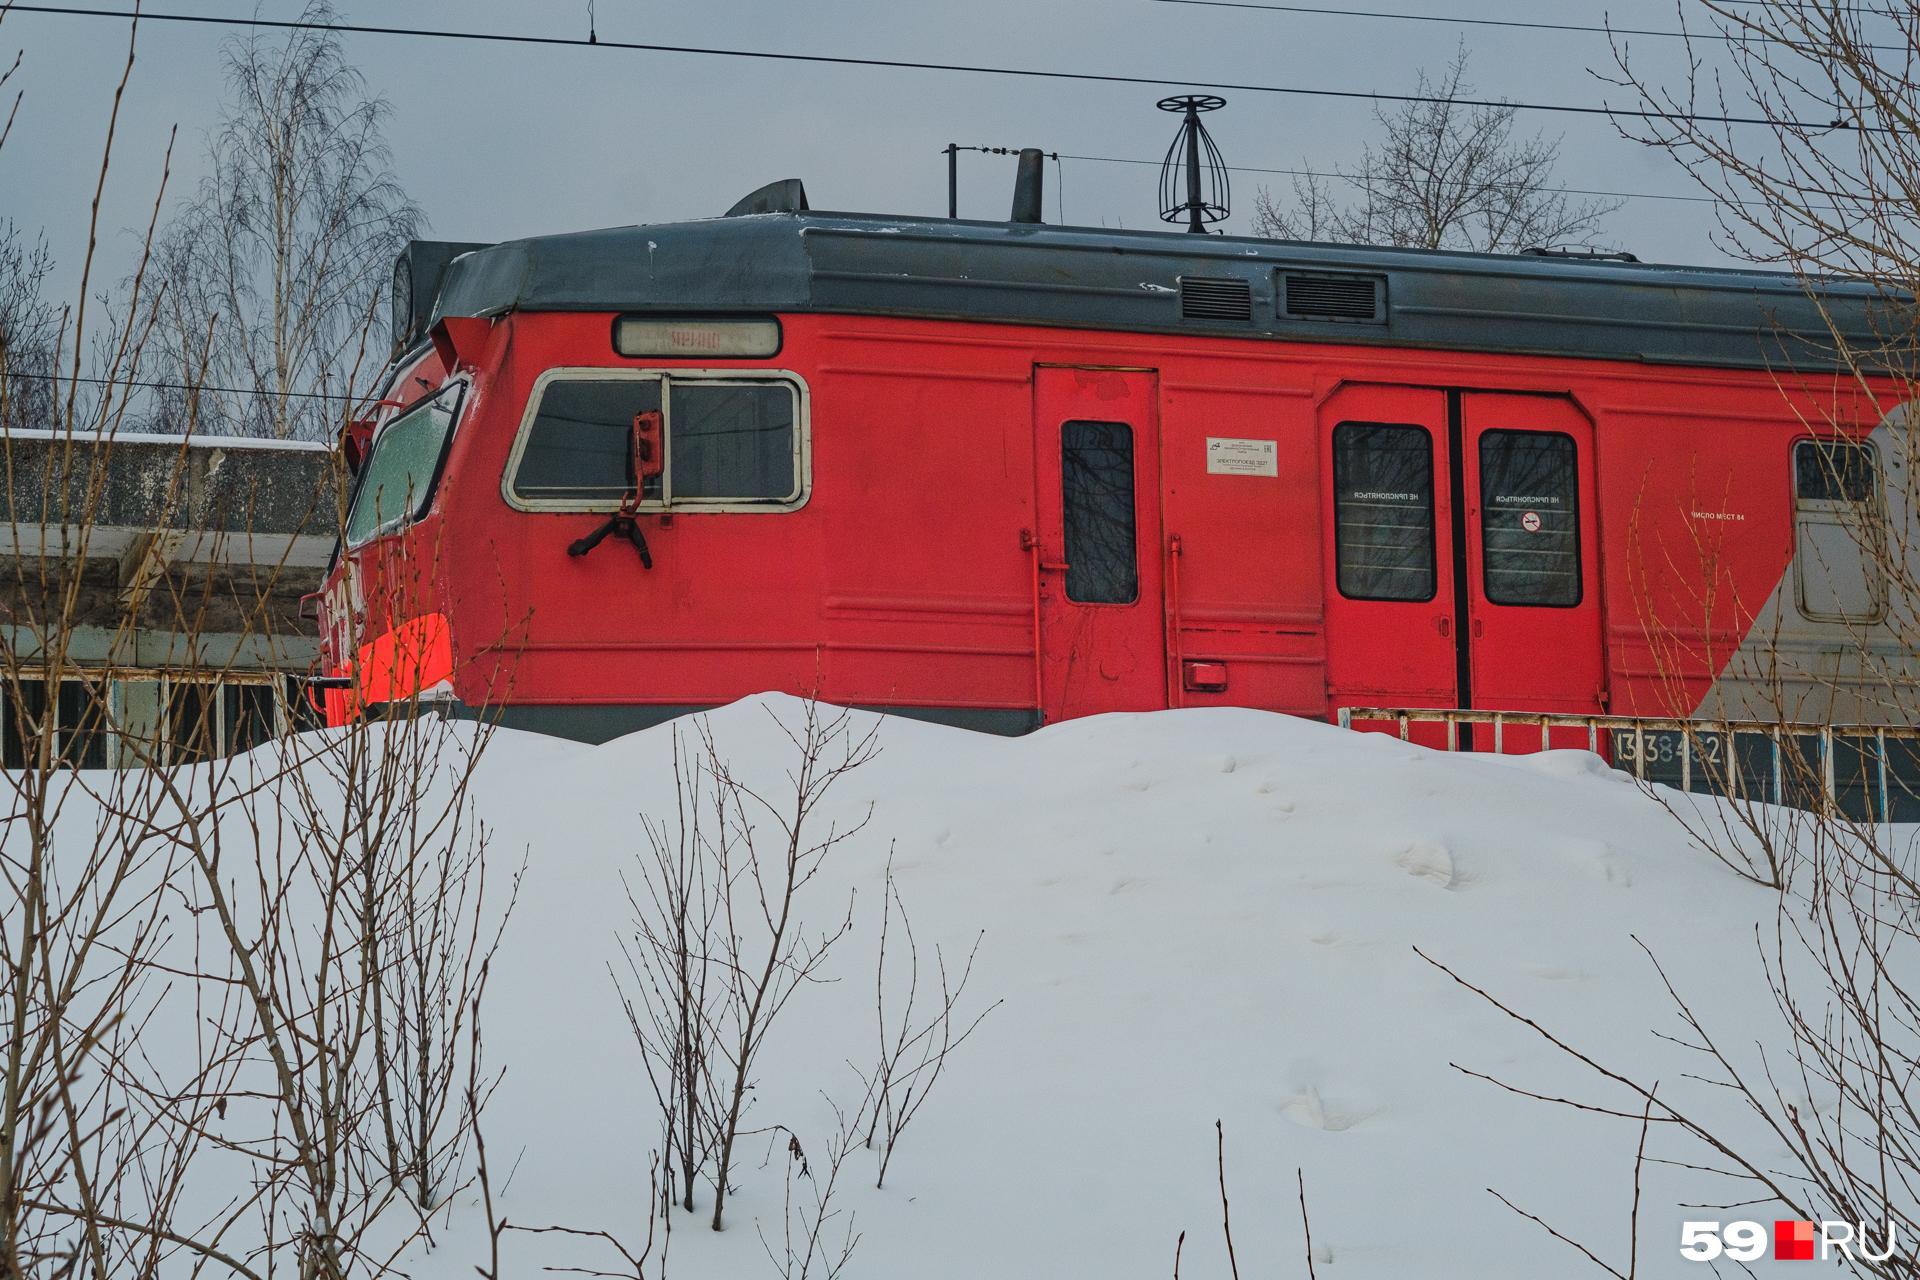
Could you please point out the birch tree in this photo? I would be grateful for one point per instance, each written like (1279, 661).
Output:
(274, 274)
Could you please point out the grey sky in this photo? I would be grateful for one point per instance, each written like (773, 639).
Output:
(502, 141)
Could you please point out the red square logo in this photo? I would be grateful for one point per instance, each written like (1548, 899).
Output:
(1792, 1241)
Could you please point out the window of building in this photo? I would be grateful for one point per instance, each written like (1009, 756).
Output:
(121, 722)
(1839, 540)
(730, 442)
(75, 719)
(1097, 512)
(396, 485)
(1383, 511)
(1530, 518)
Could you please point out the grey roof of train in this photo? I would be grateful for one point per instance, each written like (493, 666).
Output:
(1094, 278)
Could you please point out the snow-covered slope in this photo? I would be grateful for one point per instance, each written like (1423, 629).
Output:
(1189, 916)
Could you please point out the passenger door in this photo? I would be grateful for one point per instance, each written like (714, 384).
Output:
(1461, 551)
(1100, 610)
(1389, 549)
(1533, 572)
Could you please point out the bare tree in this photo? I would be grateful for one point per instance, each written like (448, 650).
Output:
(916, 1036)
(29, 330)
(273, 274)
(1446, 174)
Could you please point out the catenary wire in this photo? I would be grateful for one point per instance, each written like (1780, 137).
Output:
(1520, 24)
(846, 60)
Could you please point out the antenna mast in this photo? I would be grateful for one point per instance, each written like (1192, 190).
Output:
(1193, 178)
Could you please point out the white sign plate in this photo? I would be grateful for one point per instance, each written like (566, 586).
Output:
(1242, 457)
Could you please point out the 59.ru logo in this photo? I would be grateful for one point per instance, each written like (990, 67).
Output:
(1793, 1240)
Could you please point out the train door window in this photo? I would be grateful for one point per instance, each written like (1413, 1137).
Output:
(1383, 511)
(1838, 539)
(1530, 518)
(1097, 512)
(731, 443)
(397, 483)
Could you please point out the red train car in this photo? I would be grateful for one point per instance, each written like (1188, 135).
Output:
(1002, 474)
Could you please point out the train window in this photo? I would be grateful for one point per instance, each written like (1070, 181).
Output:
(1383, 511)
(397, 482)
(1839, 544)
(730, 442)
(1530, 518)
(1096, 503)
(1834, 471)
(576, 450)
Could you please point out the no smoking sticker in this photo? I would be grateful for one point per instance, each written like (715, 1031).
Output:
(1530, 522)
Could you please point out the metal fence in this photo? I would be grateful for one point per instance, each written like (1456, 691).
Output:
(1864, 772)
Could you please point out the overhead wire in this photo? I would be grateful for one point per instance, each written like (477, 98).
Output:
(848, 60)
(1460, 20)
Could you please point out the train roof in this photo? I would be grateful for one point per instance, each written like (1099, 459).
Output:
(1152, 282)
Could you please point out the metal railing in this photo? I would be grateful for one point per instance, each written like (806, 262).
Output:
(1847, 768)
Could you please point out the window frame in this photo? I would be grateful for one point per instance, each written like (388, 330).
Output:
(1578, 513)
(462, 387)
(1433, 511)
(1837, 512)
(802, 440)
(1133, 482)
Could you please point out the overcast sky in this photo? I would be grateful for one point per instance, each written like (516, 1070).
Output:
(502, 141)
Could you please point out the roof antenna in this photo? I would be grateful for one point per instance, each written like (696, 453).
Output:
(593, 34)
(1194, 162)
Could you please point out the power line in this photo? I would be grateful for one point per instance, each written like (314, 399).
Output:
(766, 55)
(1458, 21)
(176, 386)
(1361, 180)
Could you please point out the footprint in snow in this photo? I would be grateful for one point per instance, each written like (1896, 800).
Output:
(1425, 860)
(1310, 1110)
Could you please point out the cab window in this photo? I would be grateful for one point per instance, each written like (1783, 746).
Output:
(731, 442)
(396, 485)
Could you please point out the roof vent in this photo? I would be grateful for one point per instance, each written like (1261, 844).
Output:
(785, 196)
(1222, 298)
(1355, 299)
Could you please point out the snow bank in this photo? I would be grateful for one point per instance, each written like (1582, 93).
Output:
(1190, 916)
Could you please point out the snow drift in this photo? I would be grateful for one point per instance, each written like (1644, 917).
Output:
(1190, 916)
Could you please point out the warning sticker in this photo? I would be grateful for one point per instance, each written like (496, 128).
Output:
(1530, 522)
(1242, 457)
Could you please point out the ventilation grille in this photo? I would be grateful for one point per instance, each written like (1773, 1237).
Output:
(1353, 298)
(1202, 298)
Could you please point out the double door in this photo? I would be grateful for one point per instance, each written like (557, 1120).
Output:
(1462, 565)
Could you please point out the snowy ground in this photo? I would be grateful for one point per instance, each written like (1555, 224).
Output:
(1190, 916)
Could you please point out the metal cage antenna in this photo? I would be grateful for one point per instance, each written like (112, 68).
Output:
(1194, 187)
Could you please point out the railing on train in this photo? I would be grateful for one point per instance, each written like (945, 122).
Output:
(1865, 772)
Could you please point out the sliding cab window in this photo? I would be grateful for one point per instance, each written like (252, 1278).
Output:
(396, 485)
(731, 442)
(1383, 511)
(1840, 543)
